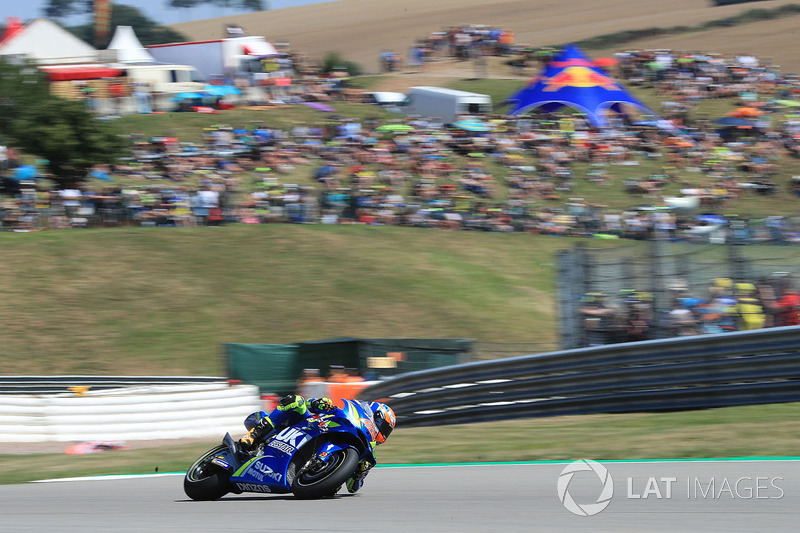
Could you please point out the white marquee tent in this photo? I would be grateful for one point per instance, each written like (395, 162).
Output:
(128, 47)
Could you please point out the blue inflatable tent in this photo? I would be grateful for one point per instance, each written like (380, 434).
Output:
(571, 79)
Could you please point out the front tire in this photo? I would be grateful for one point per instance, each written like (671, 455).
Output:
(323, 481)
(204, 481)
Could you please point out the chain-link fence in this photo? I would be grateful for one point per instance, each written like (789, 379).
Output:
(638, 291)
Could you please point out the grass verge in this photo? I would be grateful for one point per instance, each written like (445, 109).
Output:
(750, 431)
(190, 127)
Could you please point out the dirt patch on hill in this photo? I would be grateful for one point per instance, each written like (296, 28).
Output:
(360, 29)
(773, 40)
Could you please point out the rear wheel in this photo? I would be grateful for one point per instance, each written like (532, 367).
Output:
(205, 481)
(324, 478)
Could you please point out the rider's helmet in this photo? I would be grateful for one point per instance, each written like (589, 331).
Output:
(253, 418)
(384, 419)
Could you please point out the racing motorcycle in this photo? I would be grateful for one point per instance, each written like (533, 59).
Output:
(310, 459)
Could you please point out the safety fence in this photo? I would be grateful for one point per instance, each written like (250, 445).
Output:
(177, 411)
(657, 273)
(753, 367)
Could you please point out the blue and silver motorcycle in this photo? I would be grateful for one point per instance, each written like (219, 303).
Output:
(311, 459)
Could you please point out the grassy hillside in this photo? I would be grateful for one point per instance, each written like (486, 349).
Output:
(162, 300)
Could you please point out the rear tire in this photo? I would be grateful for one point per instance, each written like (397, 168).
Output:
(327, 480)
(204, 481)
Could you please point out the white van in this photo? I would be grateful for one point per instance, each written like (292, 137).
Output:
(168, 79)
(384, 98)
(445, 104)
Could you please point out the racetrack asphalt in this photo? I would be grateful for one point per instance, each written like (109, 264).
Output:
(729, 496)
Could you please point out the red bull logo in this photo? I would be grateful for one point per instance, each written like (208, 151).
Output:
(579, 76)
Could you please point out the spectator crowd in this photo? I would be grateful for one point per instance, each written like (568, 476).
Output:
(515, 174)
(725, 306)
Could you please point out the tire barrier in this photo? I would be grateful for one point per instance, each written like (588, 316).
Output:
(752, 367)
(190, 410)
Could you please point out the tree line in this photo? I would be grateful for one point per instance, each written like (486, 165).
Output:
(63, 8)
(147, 30)
(62, 132)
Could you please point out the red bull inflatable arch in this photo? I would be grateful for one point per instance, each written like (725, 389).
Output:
(571, 79)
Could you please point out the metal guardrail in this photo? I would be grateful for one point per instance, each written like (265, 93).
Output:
(61, 384)
(752, 367)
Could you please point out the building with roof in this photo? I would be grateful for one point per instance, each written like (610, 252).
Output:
(45, 43)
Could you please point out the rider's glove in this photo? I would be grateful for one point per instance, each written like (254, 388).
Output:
(290, 401)
(323, 404)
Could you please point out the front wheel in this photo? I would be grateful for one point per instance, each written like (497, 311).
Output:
(325, 479)
(205, 481)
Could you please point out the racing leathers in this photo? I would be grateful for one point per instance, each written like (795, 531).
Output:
(290, 410)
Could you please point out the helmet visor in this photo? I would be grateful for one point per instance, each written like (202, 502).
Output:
(384, 428)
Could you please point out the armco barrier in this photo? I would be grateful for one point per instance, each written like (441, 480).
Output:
(132, 413)
(761, 366)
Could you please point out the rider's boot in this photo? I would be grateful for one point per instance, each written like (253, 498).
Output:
(255, 435)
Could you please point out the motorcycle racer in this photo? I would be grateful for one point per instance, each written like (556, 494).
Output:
(293, 408)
